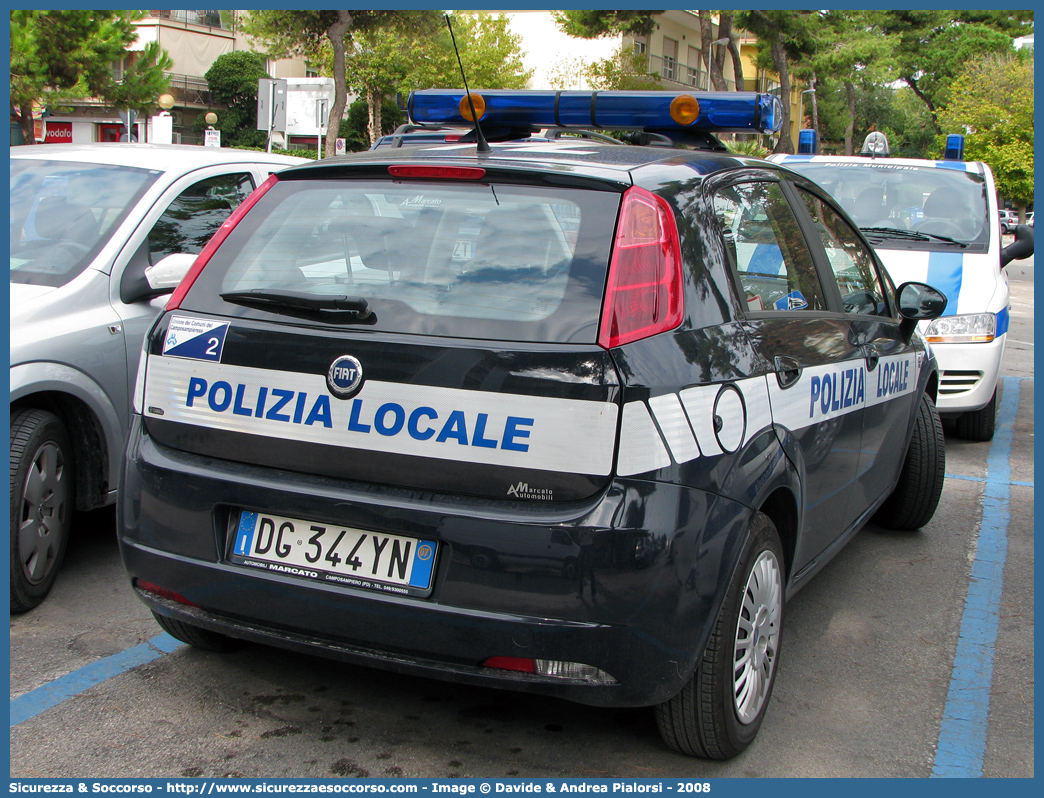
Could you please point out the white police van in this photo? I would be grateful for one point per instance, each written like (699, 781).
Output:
(937, 222)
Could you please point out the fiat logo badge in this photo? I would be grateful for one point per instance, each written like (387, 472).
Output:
(344, 378)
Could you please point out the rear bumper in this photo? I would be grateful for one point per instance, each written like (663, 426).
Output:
(629, 581)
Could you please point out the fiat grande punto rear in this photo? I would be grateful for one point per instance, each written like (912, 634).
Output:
(566, 417)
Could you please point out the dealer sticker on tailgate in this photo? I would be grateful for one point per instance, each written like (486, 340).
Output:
(331, 553)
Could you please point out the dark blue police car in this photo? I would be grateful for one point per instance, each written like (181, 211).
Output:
(565, 416)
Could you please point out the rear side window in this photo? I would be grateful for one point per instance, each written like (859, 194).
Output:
(768, 252)
(196, 214)
(469, 260)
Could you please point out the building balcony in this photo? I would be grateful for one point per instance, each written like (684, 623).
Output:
(674, 75)
(209, 19)
(190, 90)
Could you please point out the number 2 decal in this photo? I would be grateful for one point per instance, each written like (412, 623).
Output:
(213, 348)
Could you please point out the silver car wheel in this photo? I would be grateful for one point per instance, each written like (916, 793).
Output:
(757, 637)
(45, 514)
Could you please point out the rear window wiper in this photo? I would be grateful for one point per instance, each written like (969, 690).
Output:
(907, 235)
(290, 301)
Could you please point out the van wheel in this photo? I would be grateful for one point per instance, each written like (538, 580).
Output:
(912, 504)
(718, 713)
(43, 493)
(196, 636)
(979, 425)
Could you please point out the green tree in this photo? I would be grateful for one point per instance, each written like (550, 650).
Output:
(232, 80)
(992, 99)
(490, 52)
(626, 70)
(355, 129)
(304, 33)
(931, 47)
(414, 51)
(783, 36)
(63, 55)
(713, 55)
(378, 59)
(849, 57)
(590, 24)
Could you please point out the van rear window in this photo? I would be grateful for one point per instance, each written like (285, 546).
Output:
(501, 262)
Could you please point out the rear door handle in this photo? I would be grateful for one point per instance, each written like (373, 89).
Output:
(788, 370)
(872, 356)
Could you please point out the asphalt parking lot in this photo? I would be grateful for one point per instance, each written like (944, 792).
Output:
(888, 666)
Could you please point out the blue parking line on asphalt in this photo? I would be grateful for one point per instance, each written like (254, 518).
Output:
(53, 693)
(1016, 482)
(962, 736)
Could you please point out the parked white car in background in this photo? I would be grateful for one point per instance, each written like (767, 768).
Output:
(937, 222)
(99, 233)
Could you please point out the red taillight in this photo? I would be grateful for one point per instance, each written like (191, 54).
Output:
(439, 172)
(520, 664)
(163, 592)
(643, 295)
(215, 241)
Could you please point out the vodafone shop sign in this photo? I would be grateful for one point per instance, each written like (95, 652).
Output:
(58, 133)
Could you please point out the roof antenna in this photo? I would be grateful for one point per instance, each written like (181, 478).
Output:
(482, 146)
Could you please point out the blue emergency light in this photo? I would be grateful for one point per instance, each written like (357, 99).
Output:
(808, 142)
(718, 112)
(954, 148)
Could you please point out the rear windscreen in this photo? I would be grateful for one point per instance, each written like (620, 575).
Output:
(469, 260)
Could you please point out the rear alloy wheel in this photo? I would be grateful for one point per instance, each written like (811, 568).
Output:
(196, 636)
(718, 713)
(979, 425)
(43, 488)
(912, 504)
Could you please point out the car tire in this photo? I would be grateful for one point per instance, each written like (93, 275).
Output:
(43, 495)
(979, 425)
(196, 636)
(912, 503)
(715, 716)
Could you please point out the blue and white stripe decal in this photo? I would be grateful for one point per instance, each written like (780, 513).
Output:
(538, 432)
(711, 420)
(946, 273)
(972, 282)
(963, 166)
(1003, 317)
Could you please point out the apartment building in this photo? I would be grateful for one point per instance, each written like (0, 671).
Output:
(193, 39)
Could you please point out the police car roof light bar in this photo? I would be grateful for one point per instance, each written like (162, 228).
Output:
(954, 148)
(720, 112)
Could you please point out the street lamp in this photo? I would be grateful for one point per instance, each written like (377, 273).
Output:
(211, 137)
(723, 42)
(160, 129)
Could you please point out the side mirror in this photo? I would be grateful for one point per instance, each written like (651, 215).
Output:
(1021, 247)
(918, 302)
(164, 276)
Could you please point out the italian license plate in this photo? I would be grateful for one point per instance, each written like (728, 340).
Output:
(332, 553)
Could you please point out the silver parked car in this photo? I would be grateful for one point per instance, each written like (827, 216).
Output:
(99, 234)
